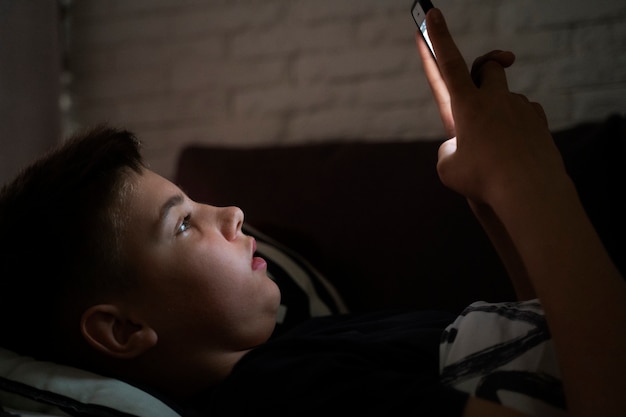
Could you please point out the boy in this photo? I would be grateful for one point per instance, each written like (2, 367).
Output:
(109, 267)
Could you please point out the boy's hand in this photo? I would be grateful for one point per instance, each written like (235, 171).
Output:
(498, 139)
(503, 159)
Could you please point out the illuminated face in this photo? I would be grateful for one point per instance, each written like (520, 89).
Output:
(201, 287)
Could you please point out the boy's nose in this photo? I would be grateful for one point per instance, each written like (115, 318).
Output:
(231, 220)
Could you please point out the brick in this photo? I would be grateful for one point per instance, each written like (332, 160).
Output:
(230, 132)
(228, 18)
(470, 17)
(306, 10)
(163, 145)
(407, 89)
(575, 71)
(394, 28)
(599, 102)
(289, 38)
(528, 75)
(225, 74)
(282, 99)
(119, 84)
(357, 62)
(157, 110)
(536, 14)
(114, 8)
(331, 123)
(248, 131)
(599, 39)
(408, 122)
(187, 50)
(556, 104)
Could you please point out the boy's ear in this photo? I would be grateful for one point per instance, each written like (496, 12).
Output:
(110, 331)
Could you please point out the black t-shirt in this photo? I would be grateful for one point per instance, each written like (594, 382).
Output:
(375, 364)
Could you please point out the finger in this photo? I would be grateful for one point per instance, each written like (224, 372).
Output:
(447, 149)
(540, 111)
(437, 85)
(428, 61)
(490, 75)
(521, 97)
(445, 157)
(538, 108)
(451, 63)
(504, 58)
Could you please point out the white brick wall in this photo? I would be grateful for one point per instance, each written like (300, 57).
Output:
(251, 72)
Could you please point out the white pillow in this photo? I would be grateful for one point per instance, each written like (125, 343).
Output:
(29, 386)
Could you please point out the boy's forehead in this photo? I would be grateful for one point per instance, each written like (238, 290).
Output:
(152, 186)
(151, 192)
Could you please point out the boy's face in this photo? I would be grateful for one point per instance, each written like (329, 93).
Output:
(201, 288)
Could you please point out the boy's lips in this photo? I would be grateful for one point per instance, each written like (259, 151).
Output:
(257, 262)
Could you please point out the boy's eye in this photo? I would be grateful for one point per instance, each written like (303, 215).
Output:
(184, 225)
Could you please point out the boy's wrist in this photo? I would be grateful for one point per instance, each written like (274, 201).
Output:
(531, 194)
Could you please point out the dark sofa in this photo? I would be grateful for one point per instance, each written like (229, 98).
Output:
(375, 220)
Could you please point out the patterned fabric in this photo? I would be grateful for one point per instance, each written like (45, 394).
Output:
(503, 352)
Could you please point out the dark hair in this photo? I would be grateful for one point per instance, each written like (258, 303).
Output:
(60, 225)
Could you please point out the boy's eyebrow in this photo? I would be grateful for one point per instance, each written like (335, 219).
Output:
(171, 202)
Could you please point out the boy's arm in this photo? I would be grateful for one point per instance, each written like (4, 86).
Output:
(505, 249)
(504, 157)
(582, 292)
(493, 227)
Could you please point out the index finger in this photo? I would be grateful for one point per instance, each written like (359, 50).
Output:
(451, 63)
(437, 85)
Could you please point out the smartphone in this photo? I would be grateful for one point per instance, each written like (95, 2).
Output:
(419, 10)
